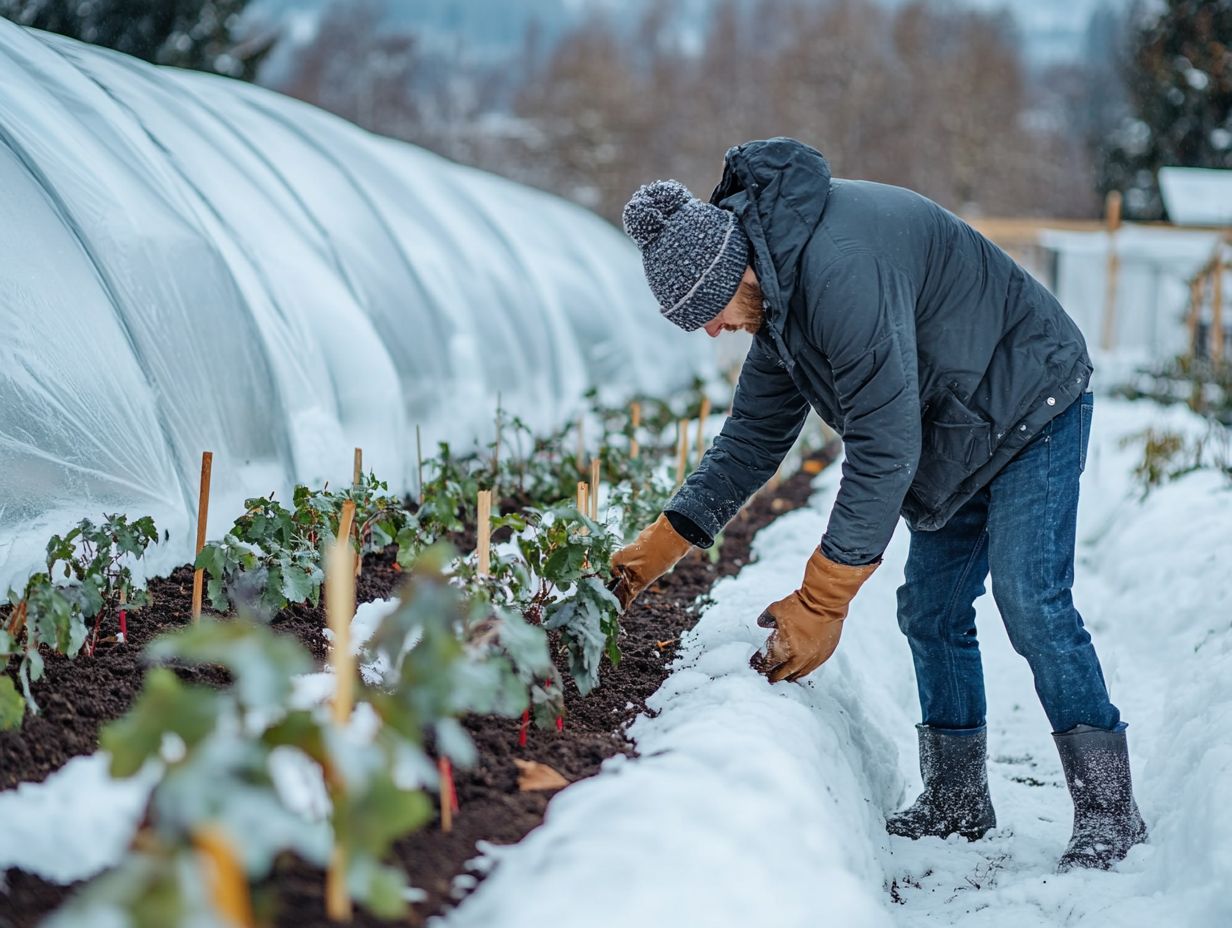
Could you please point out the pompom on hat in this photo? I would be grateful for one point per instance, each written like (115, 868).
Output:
(694, 254)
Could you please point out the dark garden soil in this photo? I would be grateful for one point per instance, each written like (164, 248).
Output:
(77, 699)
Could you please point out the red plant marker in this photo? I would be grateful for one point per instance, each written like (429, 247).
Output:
(449, 788)
(124, 625)
(560, 723)
(522, 730)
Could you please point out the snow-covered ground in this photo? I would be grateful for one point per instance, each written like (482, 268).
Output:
(753, 804)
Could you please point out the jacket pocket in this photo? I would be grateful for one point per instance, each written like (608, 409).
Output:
(954, 433)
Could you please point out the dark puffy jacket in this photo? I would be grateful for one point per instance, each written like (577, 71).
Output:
(926, 347)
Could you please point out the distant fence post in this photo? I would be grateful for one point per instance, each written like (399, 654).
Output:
(1112, 219)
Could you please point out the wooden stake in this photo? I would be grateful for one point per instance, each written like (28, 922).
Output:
(594, 489)
(340, 610)
(1216, 351)
(484, 541)
(337, 898)
(583, 498)
(224, 876)
(581, 447)
(1112, 217)
(358, 473)
(701, 428)
(203, 515)
(635, 421)
(419, 462)
(1195, 311)
(682, 450)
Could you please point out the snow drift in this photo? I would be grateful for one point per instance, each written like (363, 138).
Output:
(192, 263)
(756, 805)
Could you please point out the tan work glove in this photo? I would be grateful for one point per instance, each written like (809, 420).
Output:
(652, 554)
(807, 624)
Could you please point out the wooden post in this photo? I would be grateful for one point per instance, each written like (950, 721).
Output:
(1216, 351)
(1112, 217)
(701, 428)
(1195, 312)
(340, 611)
(358, 470)
(682, 450)
(419, 463)
(635, 420)
(484, 541)
(203, 515)
(593, 489)
(581, 445)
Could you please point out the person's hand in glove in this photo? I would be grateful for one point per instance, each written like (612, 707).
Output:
(653, 553)
(807, 624)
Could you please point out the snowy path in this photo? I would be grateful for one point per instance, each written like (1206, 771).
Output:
(760, 805)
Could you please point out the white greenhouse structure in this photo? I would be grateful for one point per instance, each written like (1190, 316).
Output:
(190, 263)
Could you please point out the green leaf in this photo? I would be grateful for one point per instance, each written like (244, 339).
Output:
(165, 706)
(12, 705)
(385, 895)
(213, 560)
(580, 621)
(297, 584)
(526, 645)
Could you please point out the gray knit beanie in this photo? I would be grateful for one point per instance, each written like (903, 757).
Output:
(694, 253)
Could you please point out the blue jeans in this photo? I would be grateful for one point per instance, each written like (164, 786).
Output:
(1022, 528)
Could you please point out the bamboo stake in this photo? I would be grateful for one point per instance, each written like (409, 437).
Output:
(419, 464)
(581, 445)
(337, 898)
(340, 610)
(594, 489)
(484, 540)
(635, 419)
(583, 498)
(701, 428)
(1112, 212)
(682, 450)
(356, 477)
(203, 513)
(1216, 351)
(224, 876)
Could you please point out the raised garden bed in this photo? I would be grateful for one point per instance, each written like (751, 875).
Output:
(78, 701)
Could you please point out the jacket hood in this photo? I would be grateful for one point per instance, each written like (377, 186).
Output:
(778, 188)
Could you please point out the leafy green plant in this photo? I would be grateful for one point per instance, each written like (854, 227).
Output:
(269, 558)
(226, 758)
(93, 564)
(557, 578)
(95, 559)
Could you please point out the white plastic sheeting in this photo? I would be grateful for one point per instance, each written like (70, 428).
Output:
(190, 263)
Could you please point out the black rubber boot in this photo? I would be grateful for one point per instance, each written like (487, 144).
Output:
(1106, 819)
(955, 800)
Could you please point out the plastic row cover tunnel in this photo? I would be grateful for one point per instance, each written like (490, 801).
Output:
(191, 263)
